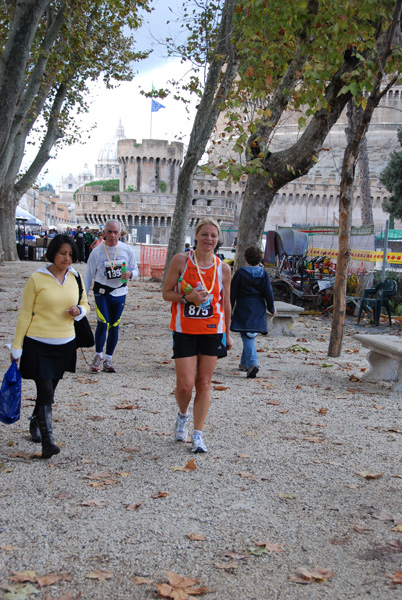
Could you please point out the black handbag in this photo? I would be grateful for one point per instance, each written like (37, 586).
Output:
(84, 338)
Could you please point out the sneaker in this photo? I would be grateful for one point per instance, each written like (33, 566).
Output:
(242, 367)
(108, 366)
(198, 443)
(252, 371)
(180, 430)
(96, 364)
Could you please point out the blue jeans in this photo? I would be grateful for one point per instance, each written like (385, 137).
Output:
(249, 354)
(108, 309)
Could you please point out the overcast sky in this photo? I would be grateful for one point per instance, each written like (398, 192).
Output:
(107, 107)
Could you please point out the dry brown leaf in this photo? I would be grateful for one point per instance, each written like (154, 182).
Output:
(197, 537)
(274, 403)
(94, 503)
(179, 587)
(304, 575)
(100, 575)
(396, 577)
(132, 506)
(23, 576)
(8, 548)
(322, 410)
(190, 466)
(361, 529)
(52, 578)
(369, 475)
(314, 440)
(160, 495)
(270, 547)
(340, 541)
(221, 387)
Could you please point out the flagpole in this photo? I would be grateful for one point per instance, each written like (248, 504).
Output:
(150, 129)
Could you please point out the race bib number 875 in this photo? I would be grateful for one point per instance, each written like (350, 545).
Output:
(191, 311)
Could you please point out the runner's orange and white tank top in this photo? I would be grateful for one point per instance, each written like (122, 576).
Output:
(199, 320)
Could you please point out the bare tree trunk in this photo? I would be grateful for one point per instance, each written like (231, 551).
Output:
(354, 115)
(342, 264)
(222, 72)
(366, 202)
(8, 203)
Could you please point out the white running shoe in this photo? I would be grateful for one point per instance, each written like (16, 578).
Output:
(181, 430)
(108, 366)
(96, 364)
(198, 443)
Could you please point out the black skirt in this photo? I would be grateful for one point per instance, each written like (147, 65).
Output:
(47, 361)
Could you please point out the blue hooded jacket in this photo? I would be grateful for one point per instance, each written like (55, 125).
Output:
(251, 296)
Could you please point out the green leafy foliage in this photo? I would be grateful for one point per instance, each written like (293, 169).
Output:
(108, 185)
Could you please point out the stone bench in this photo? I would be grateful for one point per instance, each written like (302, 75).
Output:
(281, 323)
(385, 358)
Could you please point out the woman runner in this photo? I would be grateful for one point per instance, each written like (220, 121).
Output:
(200, 323)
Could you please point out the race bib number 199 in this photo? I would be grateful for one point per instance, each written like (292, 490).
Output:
(191, 311)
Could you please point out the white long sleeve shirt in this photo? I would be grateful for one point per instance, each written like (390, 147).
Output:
(104, 267)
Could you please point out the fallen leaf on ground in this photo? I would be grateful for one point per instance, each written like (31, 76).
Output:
(340, 541)
(197, 537)
(369, 475)
(361, 529)
(190, 466)
(52, 578)
(396, 577)
(322, 410)
(221, 387)
(23, 576)
(125, 407)
(100, 575)
(287, 496)
(270, 547)
(94, 503)
(304, 575)
(160, 495)
(132, 506)
(179, 587)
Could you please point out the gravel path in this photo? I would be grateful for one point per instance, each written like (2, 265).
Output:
(285, 453)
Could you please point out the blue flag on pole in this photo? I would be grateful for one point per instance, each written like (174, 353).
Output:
(155, 106)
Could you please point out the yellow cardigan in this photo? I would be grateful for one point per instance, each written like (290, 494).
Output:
(44, 305)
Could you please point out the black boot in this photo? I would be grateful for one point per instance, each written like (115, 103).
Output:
(44, 415)
(34, 427)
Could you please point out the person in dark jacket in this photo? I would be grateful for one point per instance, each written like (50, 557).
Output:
(251, 296)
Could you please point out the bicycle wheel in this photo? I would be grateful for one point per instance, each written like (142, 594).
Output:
(282, 291)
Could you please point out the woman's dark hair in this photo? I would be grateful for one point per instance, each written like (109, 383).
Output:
(253, 255)
(57, 243)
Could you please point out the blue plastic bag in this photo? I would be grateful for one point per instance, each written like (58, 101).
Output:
(10, 395)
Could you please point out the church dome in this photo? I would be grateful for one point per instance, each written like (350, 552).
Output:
(108, 152)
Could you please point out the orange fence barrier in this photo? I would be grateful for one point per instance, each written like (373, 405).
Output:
(152, 261)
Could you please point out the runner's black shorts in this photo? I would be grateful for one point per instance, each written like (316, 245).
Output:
(188, 344)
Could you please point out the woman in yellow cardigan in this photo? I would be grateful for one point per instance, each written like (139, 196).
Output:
(45, 336)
